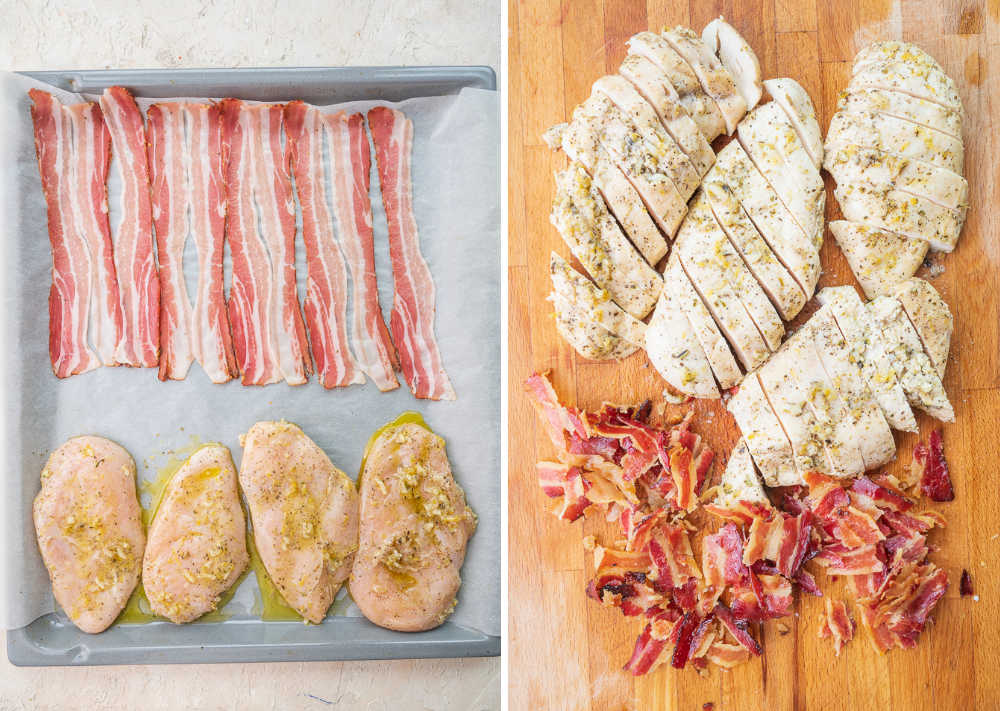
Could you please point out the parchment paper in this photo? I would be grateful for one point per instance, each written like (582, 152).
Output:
(456, 200)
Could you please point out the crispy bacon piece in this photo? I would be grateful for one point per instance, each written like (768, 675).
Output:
(684, 634)
(782, 539)
(965, 586)
(742, 512)
(738, 629)
(651, 646)
(558, 418)
(896, 616)
(836, 624)
(935, 480)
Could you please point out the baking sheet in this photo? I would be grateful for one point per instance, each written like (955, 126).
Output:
(456, 201)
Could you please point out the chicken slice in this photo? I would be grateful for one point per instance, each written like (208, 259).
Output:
(740, 481)
(783, 291)
(763, 434)
(903, 138)
(903, 106)
(849, 164)
(699, 105)
(635, 159)
(197, 545)
(930, 316)
(582, 145)
(304, 513)
(916, 373)
(879, 259)
(720, 358)
(868, 351)
(894, 50)
(902, 213)
(773, 145)
(860, 421)
(660, 93)
(89, 530)
(771, 218)
(586, 336)
(715, 78)
(578, 289)
(675, 352)
(415, 526)
(672, 160)
(737, 56)
(578, 212)
(799, 109)
(905, 67)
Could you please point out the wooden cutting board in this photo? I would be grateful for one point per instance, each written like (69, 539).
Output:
(566, 651)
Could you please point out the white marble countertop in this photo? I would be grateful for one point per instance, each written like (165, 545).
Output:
(98, 34)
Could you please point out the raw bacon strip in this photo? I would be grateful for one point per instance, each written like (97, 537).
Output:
(138, 281)
(350, 182)
(268, 332)
(412, 320)
(325, 304)
(73, 149)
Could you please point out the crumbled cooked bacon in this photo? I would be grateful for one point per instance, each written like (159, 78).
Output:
(741, 512)
(965, 586)
(930, 464)
(836, 624)
(738, 629)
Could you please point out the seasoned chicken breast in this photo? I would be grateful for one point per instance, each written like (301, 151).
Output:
(904, 67)
(866, 129)
(197, 545)
(740, 481)
(930, 316)
(304, 513)
(87, 520)
(415, 525)
(879, 259)
(798, 107)
(737, 57)
(675, 352)
(902, 106)
(765, 437)
(586, 336)
(578, 289)
(715, 78)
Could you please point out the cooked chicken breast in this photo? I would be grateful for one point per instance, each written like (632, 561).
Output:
(304, 513)
(867, 350)
(916, 373)
(415, 525)
(197, 545)
(660, 93)
(737, 57)
(902, 66)
(582, 145)
(699, 105)
(675, 352)
(781, 288)
(772, 219)
(740, 481)
(902, 106)
(773, 145)
(866, 129)
(578, 289)
(586, 336)
(720, 358)
(930, 316)
(715, 78)
(763, 434)
(595, 239)
(799, 109)
(89, 530)
(879, 259)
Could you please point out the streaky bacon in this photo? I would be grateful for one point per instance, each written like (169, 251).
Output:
(558, 418)
(743, 513)
(854, 561)
(935, 480)
(782, 539)
(412, 319)
(135, 264)
(897, 615)
(836, 624)
(652, 644)
(727, 656)
(325, 303)
(738, 629)
(350, 182)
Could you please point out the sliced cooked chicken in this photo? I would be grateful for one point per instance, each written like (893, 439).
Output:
(931, 317)
(660, 93)
(894, 50)
(575, 288)
(675, 352)
(715, 78)
(904, 67)
(902, 213)
(799, 109)
(903, 106)
(582, 145)
(700, 106)
(89, 530)
(634, 158)
(737, 56)
(771, 218)
(773, 145)
(783, 291)
(579, 214)
(586, 336)
(906, 139)
(868, 350)
(672, 160)
(197, 546)
(414, 529)
(304, 513)
(740, 481)
(941, 186)
(917, 374)
(720, 358)
(715, 267)
(879, 259)
(763, 434)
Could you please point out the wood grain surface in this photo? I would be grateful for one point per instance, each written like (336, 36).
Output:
(566, 651)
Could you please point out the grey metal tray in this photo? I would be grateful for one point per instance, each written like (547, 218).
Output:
(51, 639)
